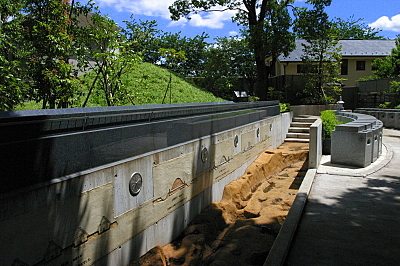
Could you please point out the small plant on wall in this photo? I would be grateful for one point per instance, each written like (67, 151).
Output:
(329, 123)
(284, 107)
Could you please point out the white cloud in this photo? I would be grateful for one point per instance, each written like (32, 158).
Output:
(213, 20)
(233, 33)
(140, 7)
(386, 23)
(181, 22)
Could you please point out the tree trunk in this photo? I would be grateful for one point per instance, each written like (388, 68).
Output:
(262, 79)
(259, 49)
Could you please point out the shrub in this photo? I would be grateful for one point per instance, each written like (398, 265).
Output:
(284, 107)
(329, 123)
(385, 105)
(253, 99)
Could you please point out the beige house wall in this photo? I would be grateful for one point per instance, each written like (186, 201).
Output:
(350, 80)
(354, 74)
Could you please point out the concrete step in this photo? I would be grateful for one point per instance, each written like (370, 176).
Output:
(300, 124)
(299, 129)
(296, 140)
(305, 119)
(298, 135)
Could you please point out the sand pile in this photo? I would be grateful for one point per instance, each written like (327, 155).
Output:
(241, 228)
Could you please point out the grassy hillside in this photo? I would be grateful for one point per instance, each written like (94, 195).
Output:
(145, 84)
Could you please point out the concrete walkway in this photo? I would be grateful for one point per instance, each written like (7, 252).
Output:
(352, 216)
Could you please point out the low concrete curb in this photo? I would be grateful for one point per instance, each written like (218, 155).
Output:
(326, 167)
(280, 248)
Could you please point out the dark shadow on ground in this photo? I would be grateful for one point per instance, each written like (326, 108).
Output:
(359, 226)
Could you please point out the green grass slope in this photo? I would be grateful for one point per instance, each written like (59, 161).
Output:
(145, 84)
(148, 84)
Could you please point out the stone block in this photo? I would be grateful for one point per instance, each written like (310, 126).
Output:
(374, 114)
(390, 119)
(376, 143)
(380, 136)
(397, 120)
(383, 117)
(350, 127)
(352, 148)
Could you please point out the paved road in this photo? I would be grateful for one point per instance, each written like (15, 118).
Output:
(352, 216)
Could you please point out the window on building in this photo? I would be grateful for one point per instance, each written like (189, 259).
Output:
(344, 67)
(360, 65)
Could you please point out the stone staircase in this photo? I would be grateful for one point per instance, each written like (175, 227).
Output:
(299, 130)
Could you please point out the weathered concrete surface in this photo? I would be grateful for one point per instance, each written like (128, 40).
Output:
(240, 229)
(315, 144)
(311, 109)
(91, 218)
(357, 142)
(351, 218)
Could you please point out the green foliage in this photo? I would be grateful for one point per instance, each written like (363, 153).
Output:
(284, 107)
(373, 77)
(253, 99)
(146, 39)
(268, 23)
(48, 38)
(227, 60)
(145, 84)
(111, 55)
(274, 94)
(143, 38)
(322, 54)
(388, 67)
(355, 29)
(329, 123)
(193, 48)
(394, 88)
(385, 105)
(13, 86)
(174, 58)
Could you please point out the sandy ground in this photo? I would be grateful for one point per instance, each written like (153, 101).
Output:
(241, 228)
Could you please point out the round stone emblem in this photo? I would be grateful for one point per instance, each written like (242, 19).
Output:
(135, 184)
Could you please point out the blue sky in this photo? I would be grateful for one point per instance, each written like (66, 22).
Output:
(382, 14)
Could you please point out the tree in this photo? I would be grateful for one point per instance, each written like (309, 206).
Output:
(109, 55)
(355, 29)
(321, 53)
(174, 59)
(268, 24)
(48, 35)
(13, 86)
(194, 49)
(143, 38)
(148, 40)
(227, 61)
(388, 67)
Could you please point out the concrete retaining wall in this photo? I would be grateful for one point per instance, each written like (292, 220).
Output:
(94, 216)
(315, 153)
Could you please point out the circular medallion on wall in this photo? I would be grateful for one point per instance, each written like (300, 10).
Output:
(135, 184)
